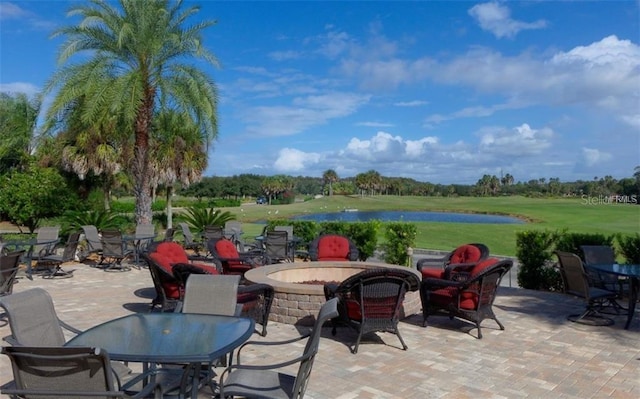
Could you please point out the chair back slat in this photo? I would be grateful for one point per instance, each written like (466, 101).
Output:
(9, 266)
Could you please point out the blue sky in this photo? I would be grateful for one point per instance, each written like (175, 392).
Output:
(435, 91)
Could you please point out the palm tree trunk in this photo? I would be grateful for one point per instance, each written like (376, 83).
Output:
(140, 170)
(169, 208)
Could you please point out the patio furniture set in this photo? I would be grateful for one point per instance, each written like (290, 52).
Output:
(217, 309)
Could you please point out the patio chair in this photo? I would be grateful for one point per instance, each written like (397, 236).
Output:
(604, 254)
(577, 283)
(333, 247)
(251, 300)
(265, 381)
(169, 233)
(54, 262)
(226, 255)
(190, 242)
(162, 257)
(46, 240)
(276, 247)
(371, 301)
(33, 322)
(464, 254)
(65, 372)
(213, 233)
(466, 292)
(114, 251)
(9, 266)
(233, 231)
(94, 244)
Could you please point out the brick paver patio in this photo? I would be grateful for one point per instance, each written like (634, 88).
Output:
(539, 355)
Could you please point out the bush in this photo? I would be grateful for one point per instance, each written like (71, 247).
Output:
(123, 207)
(630, 247)
(571, 242)
(399, 237)
(199, 218)
(534, 250)
(74, 220)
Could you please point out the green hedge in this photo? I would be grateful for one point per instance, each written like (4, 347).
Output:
(535, 252)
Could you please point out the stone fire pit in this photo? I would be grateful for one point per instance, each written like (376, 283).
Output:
(298, 303)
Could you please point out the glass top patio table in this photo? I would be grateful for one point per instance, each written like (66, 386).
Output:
(626, 270)
(167, 337)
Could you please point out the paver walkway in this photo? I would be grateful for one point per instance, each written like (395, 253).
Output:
(539, 355)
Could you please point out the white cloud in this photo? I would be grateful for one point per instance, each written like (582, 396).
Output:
(519, 141)
(374, 124)
(12, 11)
(593, 156)
(302, 114)
(415, 103)
(284, 55)
(291, 160)
(496, 18)
(20, 87)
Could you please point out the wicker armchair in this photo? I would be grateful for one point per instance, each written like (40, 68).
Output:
(466, 292)
(371, 301)
(162, 257)
(464, 254)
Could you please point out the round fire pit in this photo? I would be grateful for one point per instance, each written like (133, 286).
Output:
(299, 291)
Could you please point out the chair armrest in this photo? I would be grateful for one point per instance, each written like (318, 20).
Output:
(270, 343)
(462, 269)
(440, 283)
(255, 288)
(69, 327)
(430, 263)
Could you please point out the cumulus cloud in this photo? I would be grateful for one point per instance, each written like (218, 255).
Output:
(291, 160)
(519, 141)
(496, 18)
(12, 11)
(384, 147)
(593, 156)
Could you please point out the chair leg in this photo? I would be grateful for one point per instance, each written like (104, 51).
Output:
(404, 346)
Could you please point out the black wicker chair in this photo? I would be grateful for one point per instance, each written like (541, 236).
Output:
(468, 292)
(371, 301)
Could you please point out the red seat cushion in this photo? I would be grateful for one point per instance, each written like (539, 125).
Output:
(233, 265)
(465, 254)
(332, 248)
(468, 299)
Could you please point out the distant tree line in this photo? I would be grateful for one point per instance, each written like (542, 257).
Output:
(278, 187)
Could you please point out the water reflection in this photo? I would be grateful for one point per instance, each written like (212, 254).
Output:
(409, 216)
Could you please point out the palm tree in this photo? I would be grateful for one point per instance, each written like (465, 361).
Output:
(178, 154)
(135, 53)
(330, 176)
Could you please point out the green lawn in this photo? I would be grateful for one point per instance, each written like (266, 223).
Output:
(553, 214)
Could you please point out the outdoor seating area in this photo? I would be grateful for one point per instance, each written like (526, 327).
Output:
(541, 353)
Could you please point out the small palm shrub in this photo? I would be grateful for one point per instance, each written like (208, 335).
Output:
(199, 218)
(74, 220)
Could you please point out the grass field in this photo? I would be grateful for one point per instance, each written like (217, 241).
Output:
(573, 214)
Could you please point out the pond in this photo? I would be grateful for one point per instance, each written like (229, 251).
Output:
(409, 216)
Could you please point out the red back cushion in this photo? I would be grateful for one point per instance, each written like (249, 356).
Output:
(465, 254)
(168, 254)
(432, 272)
(333, 248)
(226, 249)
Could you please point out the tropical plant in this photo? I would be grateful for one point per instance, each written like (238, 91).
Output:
(199, 218)
(329, 177)
(103, 219)
(179, 153)
(136, 57)
(18, 116)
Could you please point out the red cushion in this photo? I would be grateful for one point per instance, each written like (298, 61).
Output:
(468, 300)
(332, 248)
(378, 308)
(432, 272)
(226, 249)
(168, 254)
(482, 266)
(465, 254)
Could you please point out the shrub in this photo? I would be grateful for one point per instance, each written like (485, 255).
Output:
(123, 207)
(399, 237)
(199, 218)
(534, 250)
(74, 220)
(630, 247)
(571, 242)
